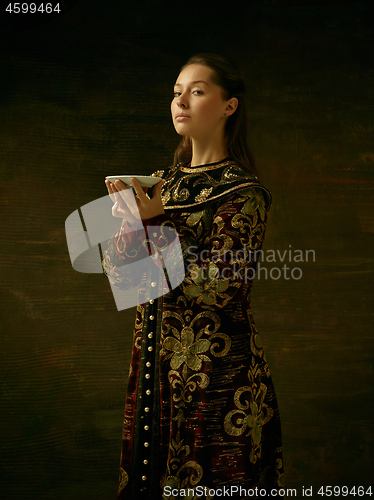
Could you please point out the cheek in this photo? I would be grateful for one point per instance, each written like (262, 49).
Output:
(209, 111)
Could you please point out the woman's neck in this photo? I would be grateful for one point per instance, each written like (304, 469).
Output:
(203, 153)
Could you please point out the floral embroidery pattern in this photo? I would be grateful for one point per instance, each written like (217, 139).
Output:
(191, 469)
(255, 201)
(238, 420)
(185, 347)
(186, 350)
(206, 286)
(255, 422)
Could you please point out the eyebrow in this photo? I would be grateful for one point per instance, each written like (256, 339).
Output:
(196, 81)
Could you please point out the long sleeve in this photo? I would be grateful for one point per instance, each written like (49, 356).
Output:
(125, 248)
(225, 259)
(134, 250)
(214, 267)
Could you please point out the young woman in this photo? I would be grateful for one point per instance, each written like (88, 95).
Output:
(201, 412)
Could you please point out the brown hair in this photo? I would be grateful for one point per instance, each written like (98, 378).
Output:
(227, 75)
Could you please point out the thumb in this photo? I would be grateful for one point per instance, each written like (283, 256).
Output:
(157, 189)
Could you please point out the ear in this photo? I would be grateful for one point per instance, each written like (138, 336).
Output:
(231, 106)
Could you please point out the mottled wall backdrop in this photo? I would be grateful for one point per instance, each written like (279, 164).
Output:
(86, 94)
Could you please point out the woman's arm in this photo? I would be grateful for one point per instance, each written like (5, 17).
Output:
(215, 271)
(124, 256)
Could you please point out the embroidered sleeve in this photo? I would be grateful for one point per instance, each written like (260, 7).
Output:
(217, 268)
(127, 246)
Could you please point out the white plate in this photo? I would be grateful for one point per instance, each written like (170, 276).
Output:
(144, 180)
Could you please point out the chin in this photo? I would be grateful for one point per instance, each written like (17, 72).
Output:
(180, 129)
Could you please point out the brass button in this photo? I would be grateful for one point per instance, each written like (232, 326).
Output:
(153, 284)
(151, 301)
(150, 348)
(148, 392)
(144, 478)
(146, 409)
(147, 375)
(146, 445)
(148, 363)
(150, 335)
(146, 427)
(155, 235)
(151, 316)
(145, 461)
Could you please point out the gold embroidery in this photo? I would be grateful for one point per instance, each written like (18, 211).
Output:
(183, 387)
(211, 198)
(138, 342)
(124, 479)
(194, 218)
(186, 350)
(181, 477)
(204, 194)
(165, 197)
(158, 173)
(181, 188)
(232, 172)
(238, 420)
(184, 193)
(204, 169)
(206, 287)
(251, 230)
(255, 201)
(139, 317)
(214, 348)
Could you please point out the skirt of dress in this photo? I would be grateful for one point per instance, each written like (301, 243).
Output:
(201, 411)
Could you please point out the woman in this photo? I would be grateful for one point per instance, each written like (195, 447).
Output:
(201, 409)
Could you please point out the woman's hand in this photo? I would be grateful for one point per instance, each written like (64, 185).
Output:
(124, 206)
(120, 207)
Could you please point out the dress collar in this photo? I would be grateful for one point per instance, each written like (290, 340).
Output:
(187, 187)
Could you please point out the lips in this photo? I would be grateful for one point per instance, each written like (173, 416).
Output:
(181, 117)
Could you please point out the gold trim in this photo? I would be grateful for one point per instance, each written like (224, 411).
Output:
(235, 188)
(192, 170)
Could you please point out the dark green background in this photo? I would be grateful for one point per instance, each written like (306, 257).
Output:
(87, 94)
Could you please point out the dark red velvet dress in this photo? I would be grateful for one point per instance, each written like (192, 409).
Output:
(201, 410)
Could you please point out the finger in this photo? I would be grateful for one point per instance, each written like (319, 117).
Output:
(139, 191)
(110, 190)
(124, 195)
(120, 185)
(123, 214)
(119, 196)
(157, 190)
(115, 211)
(158, 186)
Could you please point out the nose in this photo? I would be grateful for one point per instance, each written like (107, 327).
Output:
(182, 101)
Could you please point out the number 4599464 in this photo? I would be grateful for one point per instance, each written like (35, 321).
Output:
(337, 491)
(25, 8)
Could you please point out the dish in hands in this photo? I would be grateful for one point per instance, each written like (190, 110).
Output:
(144, 180)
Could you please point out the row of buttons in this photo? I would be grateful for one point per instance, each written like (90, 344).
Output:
(148, 392)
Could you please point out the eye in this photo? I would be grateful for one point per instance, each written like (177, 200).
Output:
(197, 92)
(176, 94)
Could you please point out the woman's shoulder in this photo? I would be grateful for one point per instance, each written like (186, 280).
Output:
(249, 199)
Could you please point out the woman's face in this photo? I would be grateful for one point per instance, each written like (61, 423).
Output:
(198, 107)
